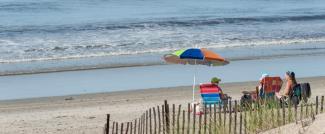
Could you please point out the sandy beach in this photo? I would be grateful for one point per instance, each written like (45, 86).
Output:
(87, 113)
(65, 65)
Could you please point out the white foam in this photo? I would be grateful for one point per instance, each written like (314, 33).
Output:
(170, 49)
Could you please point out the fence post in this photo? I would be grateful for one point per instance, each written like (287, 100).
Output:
(107, 123)
(235, 121)
(296, 114)
(159, 121)
(183, 125)
(316, 105)
(139, 126)
(283, 115)
(230, 116)
(278, 114)
(220, 121)
(200, 123)
(301, 111)
(116, 128)
(194, 118)
(127, 127)
(311, 110)
(306, 110)
(178, 116)
(131, 128)
(150, 122)
(224, 117)
(146, 122)
(205, 119)
(240, 120)
(173, 119)
(167, 117)
(135, 126)
(210, 118)
(155, 120)
(290, 112)
(188, 117)
(122, 128)
(272, 114)
(245, 122)
(322, 105)
(113, 128)
(215, 117)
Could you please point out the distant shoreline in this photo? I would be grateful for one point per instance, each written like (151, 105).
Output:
(107, 66)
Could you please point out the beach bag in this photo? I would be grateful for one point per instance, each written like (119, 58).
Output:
(297, 90)
(305, 91)
(246, 100)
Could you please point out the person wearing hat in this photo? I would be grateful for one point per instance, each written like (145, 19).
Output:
(216, 82)
(260, 86)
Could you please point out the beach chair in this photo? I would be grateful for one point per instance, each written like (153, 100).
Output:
(212, 94)
(270, 88)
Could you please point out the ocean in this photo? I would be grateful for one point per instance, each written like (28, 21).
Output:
(116, 45)
(60, 35)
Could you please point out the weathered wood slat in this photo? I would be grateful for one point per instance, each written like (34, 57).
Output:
(322, 105)
(178, 118)
(230, 117)
(107, 123)
(163, 119)
(316, 105)
(155, 120)
(122, 128)
(159, 120)
(167, 117)
(205, 120)
(188, 117)
(200, 123)
(173, 122)
(235, 117)
(194, 118)
(183, 123)
(150, 121)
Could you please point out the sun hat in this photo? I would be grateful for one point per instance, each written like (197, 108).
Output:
(215, 80)
(264, 75)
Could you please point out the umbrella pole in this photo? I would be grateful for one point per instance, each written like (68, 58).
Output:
(194, 80)
(193, 87)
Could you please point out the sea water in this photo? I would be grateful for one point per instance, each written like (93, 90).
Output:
(125, 36)
(57, 35)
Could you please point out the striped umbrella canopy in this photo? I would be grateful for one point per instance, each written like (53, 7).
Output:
(195, 56)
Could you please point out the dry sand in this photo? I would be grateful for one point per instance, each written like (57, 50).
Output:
(87, 113)
(307, 126)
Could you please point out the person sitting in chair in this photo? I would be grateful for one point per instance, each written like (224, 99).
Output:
(215, 81)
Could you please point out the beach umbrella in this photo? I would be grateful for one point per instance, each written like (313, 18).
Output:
(195, 56)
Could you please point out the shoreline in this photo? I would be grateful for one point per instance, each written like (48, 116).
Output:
(112, 93)
(86, 113)
(150, 77)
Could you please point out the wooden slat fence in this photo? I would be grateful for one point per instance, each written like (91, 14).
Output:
(216, 118)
